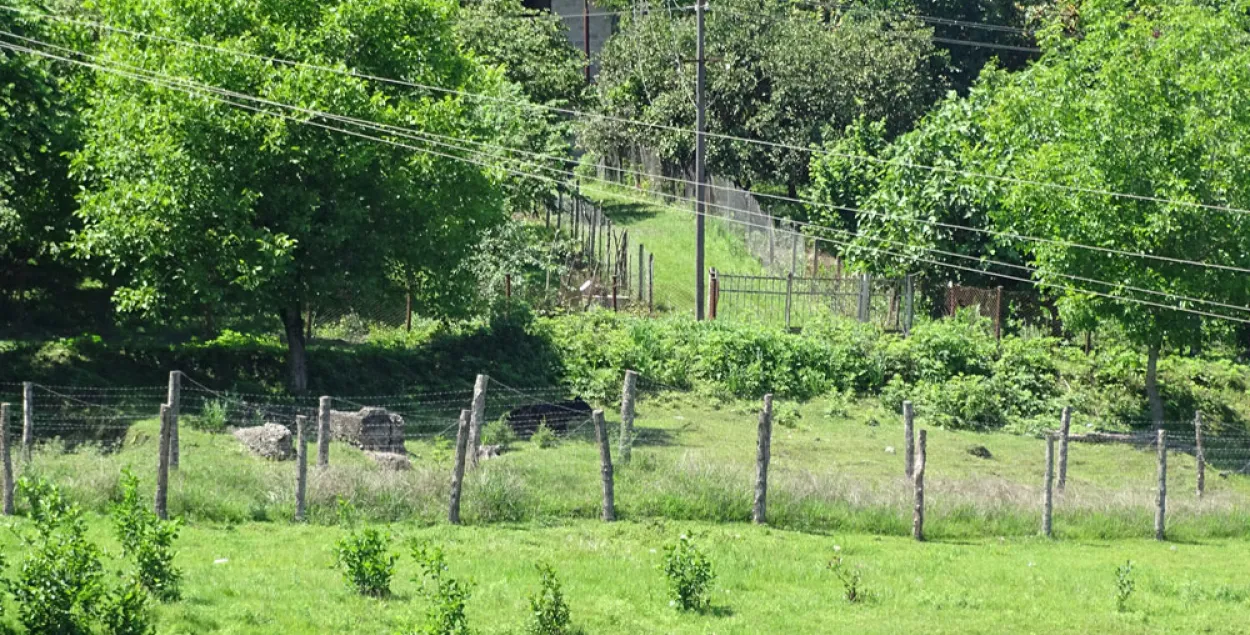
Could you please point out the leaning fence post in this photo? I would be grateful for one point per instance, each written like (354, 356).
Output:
(28, 420)
(763, 453)
(605, 467)
(6, 461)
(301, 467)
(628, 396)
(175, 407)
(1161, 500)
(477, 417)
(917, 521)
(457, 470)
(323, 432)
(1065, 425)
(1048, 496)
(909, 440)
(1200, 455)
(162, 465)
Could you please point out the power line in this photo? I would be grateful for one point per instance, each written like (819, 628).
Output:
(193, 90)
(578, 113)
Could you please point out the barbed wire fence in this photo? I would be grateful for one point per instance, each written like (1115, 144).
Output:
(1197, 460)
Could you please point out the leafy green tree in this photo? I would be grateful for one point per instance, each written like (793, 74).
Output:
(204, 207)
(776, 72)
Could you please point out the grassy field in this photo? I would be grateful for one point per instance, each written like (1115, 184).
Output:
(275, 577)
(665, 231)
(836, 489)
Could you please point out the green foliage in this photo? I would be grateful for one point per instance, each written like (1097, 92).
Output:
(851, 579)
(447, 596)
(214, 417)
(544, 437)
(60, 584)
(786, 414)
(148, 542)
(1124, 585)
(364, 555)
(689, 574)
(499, 433)
(549, 614)
(125, 611)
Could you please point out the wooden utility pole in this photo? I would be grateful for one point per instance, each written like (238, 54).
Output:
(700, 162)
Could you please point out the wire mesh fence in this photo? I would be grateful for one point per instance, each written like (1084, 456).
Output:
(797, 301)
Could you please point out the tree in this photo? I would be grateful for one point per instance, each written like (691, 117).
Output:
(776, 72)
(204, 207)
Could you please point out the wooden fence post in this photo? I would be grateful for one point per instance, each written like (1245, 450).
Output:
(917, 520)
(6, 462)
(1048, 496)
(998, 313)
(507, 286)
(1200, 455)
(909, 440)
(175, 408)
(476, 419)
(628, 396)
(865, 298)
(714, 296)
(763, 454)
(1065, 426)
(28, 420)
(323, 432)
(457, 470)
(909, 301)
(1161, 500)
(650, 283)
(162, 466)
(641, 271)
(615, 291)
(789, 295)
(301, 467)
(605, 467)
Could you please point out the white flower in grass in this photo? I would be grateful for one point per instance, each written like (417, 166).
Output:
(837, 547)
(221, 561)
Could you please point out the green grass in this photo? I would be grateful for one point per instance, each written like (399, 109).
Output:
(273, 577)
(668, 232)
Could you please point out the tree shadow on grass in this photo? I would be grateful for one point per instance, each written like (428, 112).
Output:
(625, 213)
(653, 437)
(717, 611)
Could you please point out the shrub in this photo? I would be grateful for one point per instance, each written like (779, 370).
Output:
(447, 595)
(125, 611)
(213, 418)
(59, 584)
(549, 615)
(852, 586)
(689, 574)
(544, 437)
(942, 349)
(1124, 585)
(364, 555)
(499, 433)
(786, 414)
(964, 402)
(148, 541)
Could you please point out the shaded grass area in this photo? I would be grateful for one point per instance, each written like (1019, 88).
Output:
(695, 462)
(668, 232)
(271, 578)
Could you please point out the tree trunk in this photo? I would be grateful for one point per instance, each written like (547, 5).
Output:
(1152, 386)
(297, 356)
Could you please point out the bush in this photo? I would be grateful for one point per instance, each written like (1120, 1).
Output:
(786, 414)
(364, 555)
(499, 433)
(148, 541)
(447, 596)
(213, 418)
(963, 403)
(125, 611)
(689, 574)
(59, 586)
(544, 437)
(549, 615)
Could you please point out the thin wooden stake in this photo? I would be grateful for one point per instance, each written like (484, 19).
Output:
(1048, 501)
(605, 467)
(909, 440)
(6, 462)
(650, 283)
(1161, 500)
(1200, 455)
(1065, 425)
(477, 418)
(629, 394)
(323, 433)
(301, 467)
(175, 408)
(161, 505)
(28, 420)
(457, 471)
(917, 521)
(763, 454)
